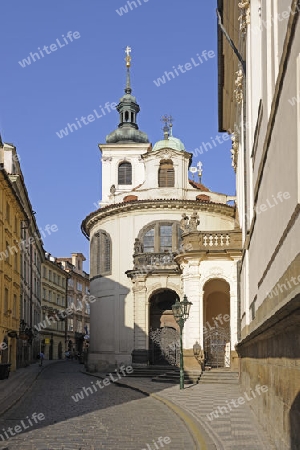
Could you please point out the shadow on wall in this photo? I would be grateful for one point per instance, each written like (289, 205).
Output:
(295, 423)
(111, 341)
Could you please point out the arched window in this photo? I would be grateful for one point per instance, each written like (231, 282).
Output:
(100, 254)
(161, 237)
(125, 173)
(166, 174)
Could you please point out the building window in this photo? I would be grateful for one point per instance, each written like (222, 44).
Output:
(70, 302)
(70, 325)
(79, 286)
(5, 300)
(50, 275)
(14, 311)
(7, 215)
(101, 249)
(44, 272)
(125, 173)
(166, 173)
(70, 282)
(161, 237)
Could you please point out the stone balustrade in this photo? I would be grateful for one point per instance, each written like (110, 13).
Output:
(212, 241)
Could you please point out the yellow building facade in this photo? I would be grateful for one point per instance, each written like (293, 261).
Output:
(11, 216)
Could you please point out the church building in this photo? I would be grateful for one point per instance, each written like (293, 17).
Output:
(156, 237)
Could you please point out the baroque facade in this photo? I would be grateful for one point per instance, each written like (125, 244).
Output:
(261, 106)
(157, 236)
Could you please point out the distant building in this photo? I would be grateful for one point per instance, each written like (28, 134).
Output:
(158, 236)
(53, 329)
(261, 107)
(78, 290)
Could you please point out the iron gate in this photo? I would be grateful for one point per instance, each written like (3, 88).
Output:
(164, 346)
(215, 343)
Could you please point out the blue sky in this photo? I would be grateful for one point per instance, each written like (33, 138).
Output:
(63, 176)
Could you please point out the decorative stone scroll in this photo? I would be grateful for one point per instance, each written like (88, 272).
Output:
(234, 150)
(244, 18)
(238, 92)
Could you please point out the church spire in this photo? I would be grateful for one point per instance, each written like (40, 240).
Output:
(128, 130)
(128, 89)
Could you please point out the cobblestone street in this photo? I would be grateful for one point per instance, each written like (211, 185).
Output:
(111, 418)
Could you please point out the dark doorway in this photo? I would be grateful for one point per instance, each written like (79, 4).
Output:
(163, 335)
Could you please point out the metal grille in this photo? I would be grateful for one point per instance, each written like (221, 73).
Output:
(165, 346)
(215, 347)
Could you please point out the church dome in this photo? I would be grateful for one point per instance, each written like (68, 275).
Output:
(171, 142)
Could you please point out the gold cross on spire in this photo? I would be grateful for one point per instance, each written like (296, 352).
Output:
(128, 57)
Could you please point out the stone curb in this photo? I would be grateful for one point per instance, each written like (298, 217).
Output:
(27, 388)
(191, 424)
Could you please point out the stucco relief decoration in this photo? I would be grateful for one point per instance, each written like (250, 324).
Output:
(244, 18)
(216, 272)
(139, 285)
(238, 92)
(106, 158)
(234, 149)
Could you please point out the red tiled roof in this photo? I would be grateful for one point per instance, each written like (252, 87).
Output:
(130, 198)
(198, 186)
(203, 197)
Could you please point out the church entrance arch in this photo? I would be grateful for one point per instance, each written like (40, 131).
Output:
(216, 330)
(164, 332)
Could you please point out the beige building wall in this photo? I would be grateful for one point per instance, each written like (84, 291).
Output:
(268, 180)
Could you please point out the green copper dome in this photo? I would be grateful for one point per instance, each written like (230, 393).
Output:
(171, 142)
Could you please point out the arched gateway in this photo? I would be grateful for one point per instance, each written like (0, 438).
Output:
(164, 331)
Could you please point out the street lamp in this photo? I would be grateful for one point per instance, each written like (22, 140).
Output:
(181, 311)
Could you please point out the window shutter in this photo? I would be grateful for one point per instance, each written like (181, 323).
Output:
(125, 173)
(166, 174)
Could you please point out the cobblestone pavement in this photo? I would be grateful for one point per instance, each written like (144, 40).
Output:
(235, 430)
(110, 418)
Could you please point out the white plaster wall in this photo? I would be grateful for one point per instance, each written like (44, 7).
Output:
(195, 275)
(112, 315)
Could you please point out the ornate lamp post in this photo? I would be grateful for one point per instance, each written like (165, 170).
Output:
(181, 311)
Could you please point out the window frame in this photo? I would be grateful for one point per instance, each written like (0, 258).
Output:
(101, 260)
(156, 225)
(127, 175)
(166, 174)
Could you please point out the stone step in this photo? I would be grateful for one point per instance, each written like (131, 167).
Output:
(220, 376)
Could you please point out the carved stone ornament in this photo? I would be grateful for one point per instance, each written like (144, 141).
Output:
(244, 18)
(106, 158)
(216, 272)
(238, 92)
(184, 223)
(187, 225)
(194, 222)
(234, 150)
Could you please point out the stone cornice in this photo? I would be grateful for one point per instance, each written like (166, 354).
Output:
(161, 204)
